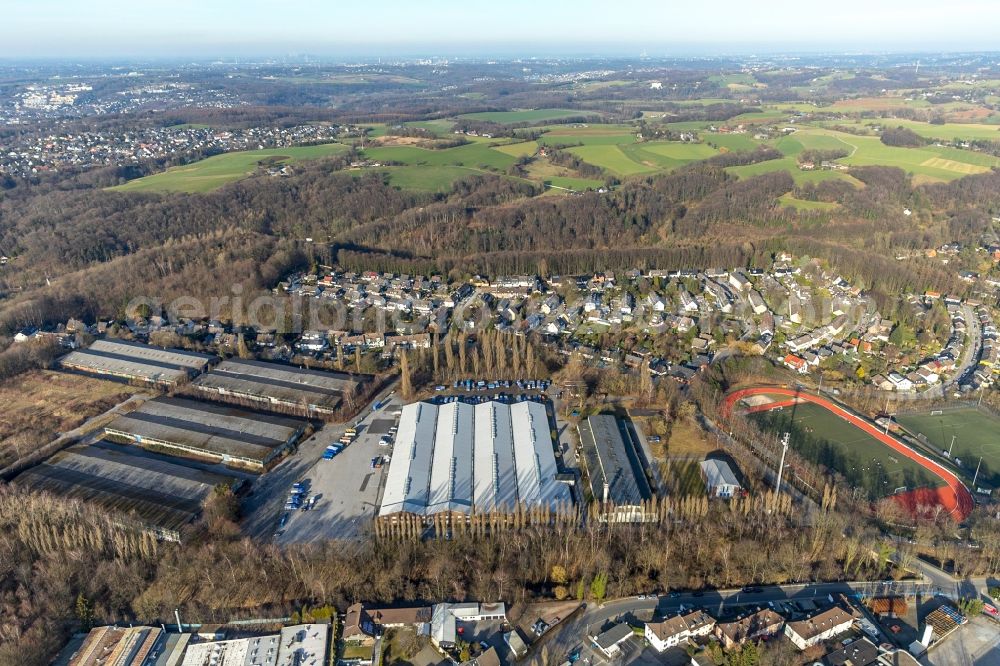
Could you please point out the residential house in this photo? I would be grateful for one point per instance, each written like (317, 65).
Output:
(672, 631)
(609, 642)
(762, 624)
(818, 628)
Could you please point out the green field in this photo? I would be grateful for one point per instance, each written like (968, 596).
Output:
(588, 135)
(976, 433)
(526, 116)
(791, 165)
(613, 159)
(930, 162)
(214, 172)
(473, 155)
(627, 159)
(522, 149)
(945, 132)
(731, 142)
(824, 438)
(576, 184)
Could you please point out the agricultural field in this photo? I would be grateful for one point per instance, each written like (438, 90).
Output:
(930, 163)
(975, 432)
(587, 134)
(214, 172)
(730, 142)
(520, 149)
(43, 403)
(791, 165)
(945, 132)
(527, 115)
(476, 156)
(613, 159)
(436, 127)
(437, 179)
(627, 159)
(559, 177)
(824, 438)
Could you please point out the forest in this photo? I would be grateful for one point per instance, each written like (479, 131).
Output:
(73, 243)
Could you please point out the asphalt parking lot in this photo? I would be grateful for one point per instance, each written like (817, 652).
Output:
(346, 488)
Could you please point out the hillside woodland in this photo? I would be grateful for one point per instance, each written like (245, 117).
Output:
(85, 252)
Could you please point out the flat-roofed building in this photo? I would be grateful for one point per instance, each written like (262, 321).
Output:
(133, 361)
(609, 642)
(275, 385)
(461, 458)
(120, 646)
(148, 489)
(222, 434)
(617, 478)
(255, 651)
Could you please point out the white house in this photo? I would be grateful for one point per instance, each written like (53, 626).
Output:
(674, 630)
(818, 628)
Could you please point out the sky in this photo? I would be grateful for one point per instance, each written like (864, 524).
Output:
(225, 28)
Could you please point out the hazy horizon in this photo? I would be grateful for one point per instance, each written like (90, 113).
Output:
(104, 29)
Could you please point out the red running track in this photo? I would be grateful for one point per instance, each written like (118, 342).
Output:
(953, 496)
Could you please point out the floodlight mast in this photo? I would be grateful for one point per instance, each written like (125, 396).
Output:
(781, 465)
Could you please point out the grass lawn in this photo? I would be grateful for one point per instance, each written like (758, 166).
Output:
(824, 438)
(976, 433)
(527, 115)
(688, 440)
(214, 172)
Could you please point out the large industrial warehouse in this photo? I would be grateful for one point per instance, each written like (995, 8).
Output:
(616, 474)
(224, 434)
(159, 493)
(136, 362)
(272, 384)
(461, 458)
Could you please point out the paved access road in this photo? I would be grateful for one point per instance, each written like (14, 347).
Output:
(573, 635)
(339, 480)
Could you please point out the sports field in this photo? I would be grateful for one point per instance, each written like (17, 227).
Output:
(527, 115)
(976, 433)
(213, 172)
(822, 437)
(868, 458)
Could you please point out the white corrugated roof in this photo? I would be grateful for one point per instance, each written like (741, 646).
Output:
(457, 457)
